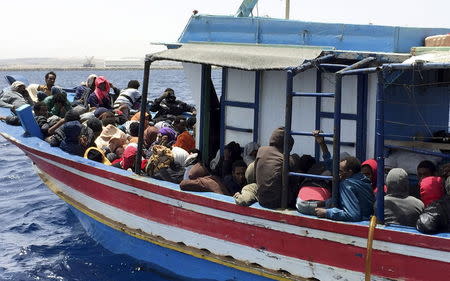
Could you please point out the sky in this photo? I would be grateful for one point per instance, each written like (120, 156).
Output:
(118, 28)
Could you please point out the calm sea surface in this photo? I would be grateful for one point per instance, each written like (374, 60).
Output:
(40, 239)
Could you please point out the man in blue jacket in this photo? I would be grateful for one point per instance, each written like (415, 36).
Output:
(355, 194)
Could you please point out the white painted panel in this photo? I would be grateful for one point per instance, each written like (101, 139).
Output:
(371, 108)
(241, 118)
(349, 93)
(193, 74)
(348, 133)
(272, 105)
(241, 85)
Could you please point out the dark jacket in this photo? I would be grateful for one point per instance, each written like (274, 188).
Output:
(436, 217)
(164, 108)
(71, 140)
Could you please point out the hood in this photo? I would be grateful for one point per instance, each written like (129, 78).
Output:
(277, 140)
(373, 166)
(72, 131)
(397, 183)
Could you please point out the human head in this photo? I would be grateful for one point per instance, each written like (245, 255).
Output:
(397, 182)
(369, 169)
(18, 86)
(170, 95)
(72, 115)
(233, 149)
(425, 169)
(134, 84)
(59, 99)
(40, 109)
(305, 163)
(134, 129)
(277, 140)
(348, 167)
(179, 124)
(96, 126)
(238, 172)
(90, 82)
(50, 78)
(95, 155)
(119, 151)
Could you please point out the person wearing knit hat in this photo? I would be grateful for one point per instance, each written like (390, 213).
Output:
(399, 207)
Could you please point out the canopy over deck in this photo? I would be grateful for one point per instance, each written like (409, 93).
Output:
(240, 56)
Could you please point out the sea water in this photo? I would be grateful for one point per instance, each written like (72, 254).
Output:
(40, 239)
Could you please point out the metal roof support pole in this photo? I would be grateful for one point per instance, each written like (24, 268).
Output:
(137, 165)
(256, 108)
(337, 137)
(379, 147)
(223, 99)
(287, 133)
(318, 110)
(205, 111)
(311, 64)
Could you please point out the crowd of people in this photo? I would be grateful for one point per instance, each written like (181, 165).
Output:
(104, 127)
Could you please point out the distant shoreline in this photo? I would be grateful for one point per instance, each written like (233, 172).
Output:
(68, 68)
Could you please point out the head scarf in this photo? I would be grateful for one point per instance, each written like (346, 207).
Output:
(185, 141)
(90, 80)
(397, 183)
(169, 132)
(129, 156)
(373, 166)
(111, 137)
(248, 149)
(215, 160)
(180, 155)
(101, 94)
(162, 157)
(431, 189)
(150, 135)
(15, 86)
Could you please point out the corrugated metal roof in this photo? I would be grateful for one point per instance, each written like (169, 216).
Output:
(240, 56)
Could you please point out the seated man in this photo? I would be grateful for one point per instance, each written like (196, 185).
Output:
(268, 167)
(167, 104)
(83, 91)
(130, 96)
(355, 194)
(399, 207)
(436, 217)
(57, 103)
(236, 180)
(16, 96)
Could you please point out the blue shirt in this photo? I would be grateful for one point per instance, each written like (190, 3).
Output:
(356, 200)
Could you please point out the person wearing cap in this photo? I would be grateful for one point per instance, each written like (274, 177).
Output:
(167, 104)
(355, 201)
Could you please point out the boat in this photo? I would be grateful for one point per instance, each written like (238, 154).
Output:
(351, 89)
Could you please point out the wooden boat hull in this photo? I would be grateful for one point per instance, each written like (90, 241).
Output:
(207, 236)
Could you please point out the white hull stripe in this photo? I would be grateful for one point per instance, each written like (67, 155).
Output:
(266, 259)
(297, 230)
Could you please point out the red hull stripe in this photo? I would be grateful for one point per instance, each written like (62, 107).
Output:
(397, 237)
(305, 248)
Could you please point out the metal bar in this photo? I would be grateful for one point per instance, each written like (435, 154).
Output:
(256, 107)
(357, 64)
(310, 134)
(346, 116)
(419, 151)
(310, 64)
(379, 148)
(232, 128)
(361, 122)
(322, 95)
(333, 65)
(223, 97)
(287, 133)
(205, 111)
(336, 138)
(318, 110)
(137, 163)
(361, 71)
(343, 143)
(311, 176)
(239, 104)
(418, 66)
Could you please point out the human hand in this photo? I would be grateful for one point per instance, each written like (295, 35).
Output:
(320, 212)
(319, 139)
